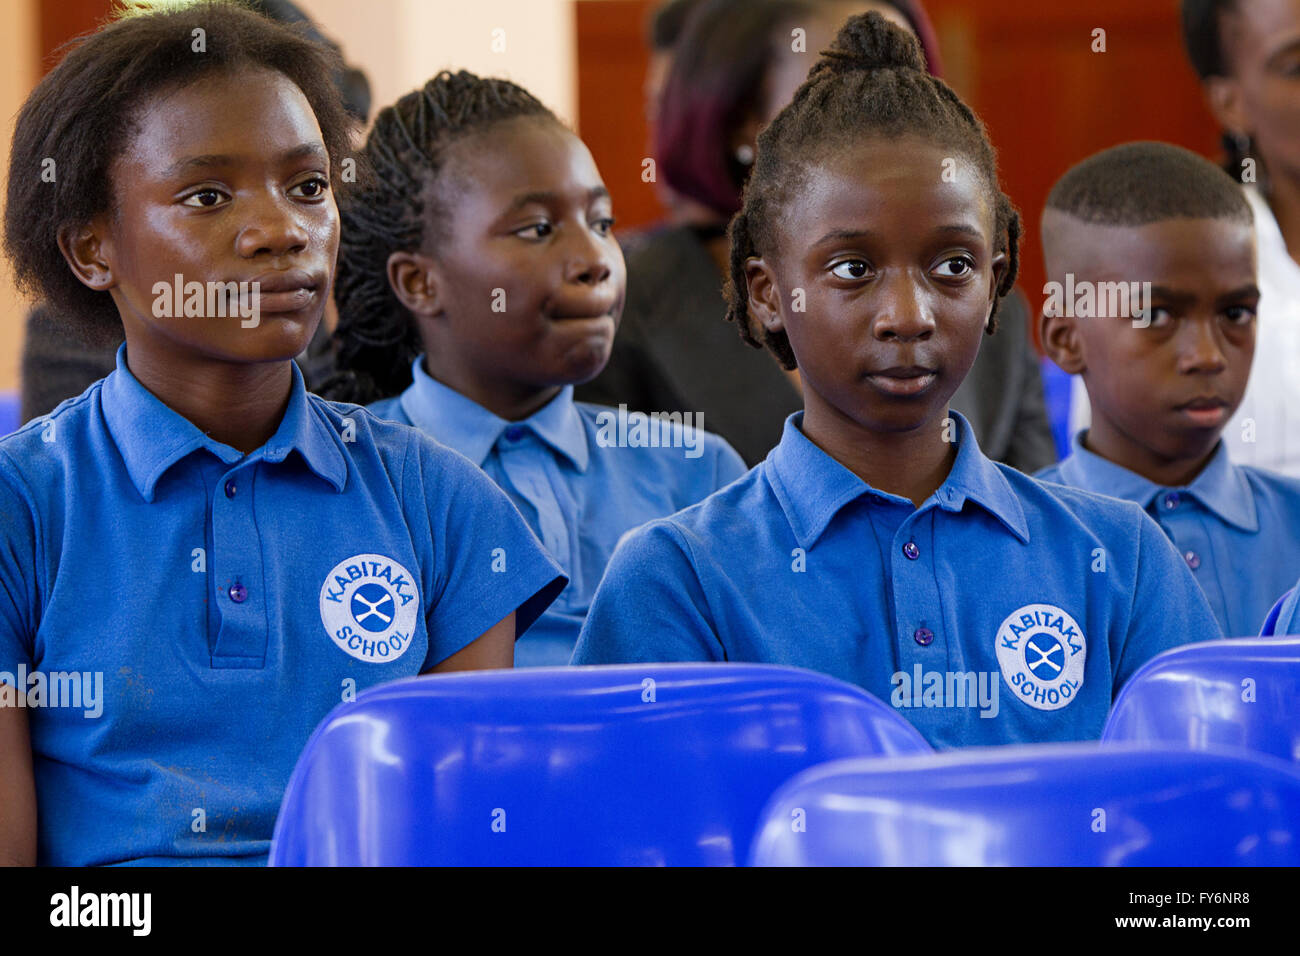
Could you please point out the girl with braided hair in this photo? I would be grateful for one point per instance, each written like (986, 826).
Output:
(479, 278)
(877, 543)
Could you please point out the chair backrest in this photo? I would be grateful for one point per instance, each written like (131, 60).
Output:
(9, 413)
(1243, 692)
(1038, 805)
(632, 764)
(1270, 622)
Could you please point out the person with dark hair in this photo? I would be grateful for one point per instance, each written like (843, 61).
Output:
(64, 352)
(1247, 55)
(733, 69)
(1158, 247)
(153, 530)
(877, 543)
(480, 279)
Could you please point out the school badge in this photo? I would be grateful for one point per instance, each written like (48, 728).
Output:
(1041, 652)
(369, 606)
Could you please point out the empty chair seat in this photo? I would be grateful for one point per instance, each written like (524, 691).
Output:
(1237, 693)
(634, 764)
(1038, 805)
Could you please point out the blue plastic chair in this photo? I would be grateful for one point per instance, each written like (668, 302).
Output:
(634, 764)
(1041, 805)
(1270, 622)
(1242, 693)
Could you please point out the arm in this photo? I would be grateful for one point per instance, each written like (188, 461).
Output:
(494, 648)
(17, 788)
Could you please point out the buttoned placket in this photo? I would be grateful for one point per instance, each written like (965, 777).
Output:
(235, 565)
(523, 462)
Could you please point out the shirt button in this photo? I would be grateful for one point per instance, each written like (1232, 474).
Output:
(923, 636)
(1172, 500)
(238, 593)
(1193, 560)
(231, 488)
(514, 433)
(911, 551)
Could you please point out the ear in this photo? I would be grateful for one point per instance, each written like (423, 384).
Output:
(764, 296)
(1062, 342)
(414, 280)
(88, 252)
(999, 272)
(1223, 94)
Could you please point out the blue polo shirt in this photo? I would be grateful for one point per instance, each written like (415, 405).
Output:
(1237, 527)
(581, 475)
(1002, 610)
(209, 608)
(1288, 618)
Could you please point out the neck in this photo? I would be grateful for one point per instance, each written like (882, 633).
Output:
(1284, 200)
(237, 404)
(1104, 439)
(910, 464)
(507, 400)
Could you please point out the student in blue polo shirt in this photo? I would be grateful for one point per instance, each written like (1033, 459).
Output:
(1166, 368)
(877, 543)
(198, 559)
(479, 281)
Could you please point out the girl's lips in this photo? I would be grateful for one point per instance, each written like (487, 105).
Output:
(903, 385)
(292, 300)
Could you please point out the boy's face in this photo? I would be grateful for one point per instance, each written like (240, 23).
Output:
(883, 280)
(528, 280)
(1161, 393)
(225, 180)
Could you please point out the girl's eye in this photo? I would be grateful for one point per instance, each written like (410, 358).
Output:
(850, 269)
(956, 267)
(538, 230)
(314, 188)
(1240, 315)
(204, 198)
(603, 226)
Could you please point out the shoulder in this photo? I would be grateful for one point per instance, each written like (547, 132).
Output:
(389, 409)
(741, 514)
(1062, 507)
(665, 437)
(51, 444)
(1273, 484)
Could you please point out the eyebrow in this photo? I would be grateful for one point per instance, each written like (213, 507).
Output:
(552, 199)
(1174, 295)
(191, 164)
(845, 234)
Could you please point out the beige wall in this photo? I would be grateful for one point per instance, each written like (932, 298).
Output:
(401, 43)
(17, 76)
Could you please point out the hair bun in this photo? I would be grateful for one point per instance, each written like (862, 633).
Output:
(868, 41)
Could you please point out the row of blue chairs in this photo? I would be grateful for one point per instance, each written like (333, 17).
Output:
(683, 764)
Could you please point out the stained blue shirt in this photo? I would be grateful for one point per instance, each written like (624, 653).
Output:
(225, 603)
(1047, 596)
(582, 475)
(1237, 527)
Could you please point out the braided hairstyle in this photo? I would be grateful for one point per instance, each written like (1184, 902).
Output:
(871, 83)
(399, 205)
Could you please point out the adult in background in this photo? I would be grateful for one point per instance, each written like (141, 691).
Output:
(722, 72)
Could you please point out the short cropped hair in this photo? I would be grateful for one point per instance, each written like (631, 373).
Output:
(1139, 183)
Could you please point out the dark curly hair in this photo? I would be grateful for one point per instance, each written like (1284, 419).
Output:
(400, 207)
(81, 115)
(871, 83)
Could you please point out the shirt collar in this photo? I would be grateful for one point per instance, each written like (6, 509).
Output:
(812, 486)
(151, 437)
(469, 428)
(1221, 487)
